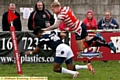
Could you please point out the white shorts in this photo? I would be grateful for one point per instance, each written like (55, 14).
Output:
(63, 50)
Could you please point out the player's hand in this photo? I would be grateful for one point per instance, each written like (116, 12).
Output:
(44, 29)
(28, 52)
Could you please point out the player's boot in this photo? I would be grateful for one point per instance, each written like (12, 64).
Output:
(90, 68)
(100, 37)
(112, 47)
(75, 75)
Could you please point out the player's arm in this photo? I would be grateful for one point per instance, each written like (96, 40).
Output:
(34, 51)
(54, 26)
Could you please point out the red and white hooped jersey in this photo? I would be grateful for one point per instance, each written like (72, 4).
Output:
(67, 15)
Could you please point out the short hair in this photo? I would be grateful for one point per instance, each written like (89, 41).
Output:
(39, 1)
(37, 30)
(55, 4)
(12, 4)
(108, 11)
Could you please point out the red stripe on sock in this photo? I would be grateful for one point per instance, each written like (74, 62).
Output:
(85, 44)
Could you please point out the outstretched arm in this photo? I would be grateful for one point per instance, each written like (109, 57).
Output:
(54, 26)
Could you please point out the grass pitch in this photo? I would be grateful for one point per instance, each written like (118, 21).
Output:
(104, 71)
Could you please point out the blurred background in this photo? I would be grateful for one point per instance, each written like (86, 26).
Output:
(80, 7)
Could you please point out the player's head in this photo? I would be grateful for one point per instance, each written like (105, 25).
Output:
(56, 6)
(38, 31)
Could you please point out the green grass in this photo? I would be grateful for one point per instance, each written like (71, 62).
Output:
(104, 71)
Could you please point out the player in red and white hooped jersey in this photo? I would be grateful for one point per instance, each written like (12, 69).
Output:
(66, 15)
(70, 19)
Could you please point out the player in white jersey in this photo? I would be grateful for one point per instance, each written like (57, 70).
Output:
(66, 15)
(63, 52)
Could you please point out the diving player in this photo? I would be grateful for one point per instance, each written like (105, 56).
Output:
(63, 52)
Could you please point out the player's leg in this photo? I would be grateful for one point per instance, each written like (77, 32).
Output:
(99, 43)
(61, 56)
(80, 39)
(80, 44)
(88, 66)
(57, 67)
(78, 67)
(110, 45)
(69, 64)
(83, 43)
(57, 63)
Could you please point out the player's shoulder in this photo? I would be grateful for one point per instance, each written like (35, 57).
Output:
(44, 37)
(47, 33)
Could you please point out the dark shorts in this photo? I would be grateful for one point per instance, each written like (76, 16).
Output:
(61, 60)
(83, 34)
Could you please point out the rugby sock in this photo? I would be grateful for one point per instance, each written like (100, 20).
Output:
(98, 43)
(67, 71)
(89, 42)
(77, 67)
